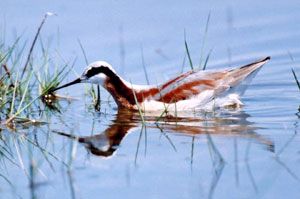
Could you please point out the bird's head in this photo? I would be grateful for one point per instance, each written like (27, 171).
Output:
(95, 73)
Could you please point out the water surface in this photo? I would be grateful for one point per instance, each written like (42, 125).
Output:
(81, 153)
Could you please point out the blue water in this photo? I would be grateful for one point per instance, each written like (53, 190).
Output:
(251, 153)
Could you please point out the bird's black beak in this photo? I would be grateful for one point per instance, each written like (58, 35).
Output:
(76, 81)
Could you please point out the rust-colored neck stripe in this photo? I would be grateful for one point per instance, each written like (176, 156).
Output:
(122, 94)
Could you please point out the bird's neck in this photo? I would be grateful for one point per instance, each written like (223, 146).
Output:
(125, 94)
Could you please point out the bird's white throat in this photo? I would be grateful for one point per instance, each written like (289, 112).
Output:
(97, 79)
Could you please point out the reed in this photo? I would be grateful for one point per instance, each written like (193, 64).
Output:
(144, 66)
(188, 52)
(139, 108)
(296, 79)
(207, 59)
(203, 42)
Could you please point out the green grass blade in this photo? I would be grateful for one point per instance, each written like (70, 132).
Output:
(25, 92)
(144, 66)
(188, 53)
(83, 52)
(10, 51)
(204, 38)
(296, 79)
(14, 96)
(206, 60)
(138, 106)
(22, 109)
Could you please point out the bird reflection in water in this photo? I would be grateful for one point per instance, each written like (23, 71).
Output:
(228, 124)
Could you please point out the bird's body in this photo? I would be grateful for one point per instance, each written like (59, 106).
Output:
(190, 90)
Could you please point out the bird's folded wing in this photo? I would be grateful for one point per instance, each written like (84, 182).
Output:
(189, 85)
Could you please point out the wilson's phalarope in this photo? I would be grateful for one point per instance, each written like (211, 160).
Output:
(190, 90)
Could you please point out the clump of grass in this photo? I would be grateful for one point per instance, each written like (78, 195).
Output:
(13, 91)
(24, 83)
(49, 76)
(18, 85)
(49, 81)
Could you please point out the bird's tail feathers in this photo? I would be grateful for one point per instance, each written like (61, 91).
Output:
(239, 79)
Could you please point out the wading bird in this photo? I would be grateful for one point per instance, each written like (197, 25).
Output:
(188, 91)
